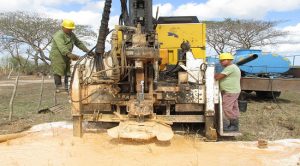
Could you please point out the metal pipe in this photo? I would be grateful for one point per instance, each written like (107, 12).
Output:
(246, 60)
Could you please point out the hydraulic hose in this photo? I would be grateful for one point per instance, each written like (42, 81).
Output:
(103, 31)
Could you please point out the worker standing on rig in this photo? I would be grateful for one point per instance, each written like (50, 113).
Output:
(61, 53)
(230, 87)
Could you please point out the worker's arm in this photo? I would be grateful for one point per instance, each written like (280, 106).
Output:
(226, 72)
(219, 76)
(72, 56)
(79, 44)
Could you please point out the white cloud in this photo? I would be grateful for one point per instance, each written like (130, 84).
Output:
(90, 13)
(290, 44)
(164, 9)
(35, 5)
(293, 34)
(58, 2)
(94, 6)
(213, 9)
(80, 17)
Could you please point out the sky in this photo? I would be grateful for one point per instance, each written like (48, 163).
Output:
(89, 12)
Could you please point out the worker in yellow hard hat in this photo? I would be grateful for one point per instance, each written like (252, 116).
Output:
(61, 53)
(230, 87)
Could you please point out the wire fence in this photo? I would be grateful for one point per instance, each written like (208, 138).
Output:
(294, 59)
(23, 97)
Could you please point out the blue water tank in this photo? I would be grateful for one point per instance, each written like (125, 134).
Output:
(264, 63)
(214, 60)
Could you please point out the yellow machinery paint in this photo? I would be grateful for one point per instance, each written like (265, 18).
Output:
(171, 36)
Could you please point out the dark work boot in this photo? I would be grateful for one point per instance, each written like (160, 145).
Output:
(57, 80)
(66, 81)
(58, 84)
(226, 125)
(234, 125)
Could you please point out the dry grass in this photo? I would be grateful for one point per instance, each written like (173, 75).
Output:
(271, 120)
(25, 107)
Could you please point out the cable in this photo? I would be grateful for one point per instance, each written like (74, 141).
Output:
(75, 68)
(203, 68)
(85, 81)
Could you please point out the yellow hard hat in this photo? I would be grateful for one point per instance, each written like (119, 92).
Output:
(226, 55)
(69, 24)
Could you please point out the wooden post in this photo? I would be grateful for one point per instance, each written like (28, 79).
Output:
(54, 95)
(76, 104)
(12, 69)
(13, 97)
(54, 98)
(77, 126)
(41, 94)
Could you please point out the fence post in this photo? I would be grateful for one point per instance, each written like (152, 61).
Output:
(11, 110)
(41, 94)
(12, 69)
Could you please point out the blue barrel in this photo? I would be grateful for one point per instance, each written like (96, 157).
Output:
(264, 63)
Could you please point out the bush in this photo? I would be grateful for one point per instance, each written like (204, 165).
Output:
(27, 68)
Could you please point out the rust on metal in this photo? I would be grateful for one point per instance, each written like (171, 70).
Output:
(189, 108)
(268, 84)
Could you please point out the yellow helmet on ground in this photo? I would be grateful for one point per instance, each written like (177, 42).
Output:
(225, 56)
(69, 24)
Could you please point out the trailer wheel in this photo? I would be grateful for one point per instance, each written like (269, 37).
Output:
(267, 94)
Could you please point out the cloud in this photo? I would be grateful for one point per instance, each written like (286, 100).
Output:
(83, 17)
(293, 34)
(290, 44)
(216, 9)
(163, 10)
(35, 5)
(90, 13)
(94, 6)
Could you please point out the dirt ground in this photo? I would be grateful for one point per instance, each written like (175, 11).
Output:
(52, 144)
(277, 121)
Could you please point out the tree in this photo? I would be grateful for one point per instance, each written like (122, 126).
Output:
(33, 32)
(229, 35)
(15, 52)
(218, 36)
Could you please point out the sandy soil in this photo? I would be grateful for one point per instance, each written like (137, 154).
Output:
(53, 144)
